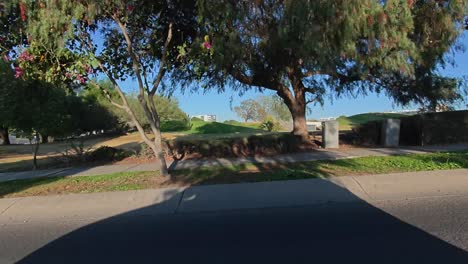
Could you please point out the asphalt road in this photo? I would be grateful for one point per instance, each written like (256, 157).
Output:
(426, 230)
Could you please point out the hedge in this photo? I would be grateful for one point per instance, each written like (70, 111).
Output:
(236, 147)
(422, 129)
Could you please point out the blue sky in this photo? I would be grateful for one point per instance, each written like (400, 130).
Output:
(220, 104)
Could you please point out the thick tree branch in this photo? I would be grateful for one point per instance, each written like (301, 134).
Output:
(162, 63)
(150, 114)
(133, 56)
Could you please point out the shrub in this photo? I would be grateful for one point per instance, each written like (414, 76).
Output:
(367, 133)
(107, 154)
(145, 152)
(196, 119)
(175, 125)
(235, 147)
(269, 124)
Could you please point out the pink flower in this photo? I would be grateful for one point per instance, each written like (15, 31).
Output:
(6, 57)
(88, 69)
(18, 72)
(25, 56)
(207, 45)
(81, 79)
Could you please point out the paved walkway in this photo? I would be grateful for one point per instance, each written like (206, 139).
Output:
(319, 154)
(222, 197)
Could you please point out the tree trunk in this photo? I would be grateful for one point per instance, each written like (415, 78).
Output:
(44, 138)
(160, 154)
(4, 136)
(35, 149)
(297, 106)
(300, 122)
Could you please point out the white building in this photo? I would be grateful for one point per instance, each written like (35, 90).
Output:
(207, 118)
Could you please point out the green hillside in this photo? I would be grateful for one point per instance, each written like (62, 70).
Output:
(202, 127)
(348, 122)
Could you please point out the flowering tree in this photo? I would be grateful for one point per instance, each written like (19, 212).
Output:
(304, 49)
(121, 39)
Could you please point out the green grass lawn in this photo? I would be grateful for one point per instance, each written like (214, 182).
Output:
(348, 122)
(202, 127)
(84, 184)
(235, 174)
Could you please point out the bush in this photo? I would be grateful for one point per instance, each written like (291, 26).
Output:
(367, 134)
(269, 124)
(146, 152)
(175, 125)
(196, 119)
(107, 154)
(435, 128)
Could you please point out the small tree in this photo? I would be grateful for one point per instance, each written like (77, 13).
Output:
(140, 40)
(33, 108)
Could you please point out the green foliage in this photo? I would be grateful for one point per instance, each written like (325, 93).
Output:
(304, 50)
(196, 119)
(236, 146)
(202, 127)
(250, 110)
(269, 124)
(171, 115)
(175, 125)
(33, 106)
(275, 106)
(106, 154)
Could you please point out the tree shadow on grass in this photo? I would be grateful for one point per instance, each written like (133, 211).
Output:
(174, 231)
(16, 186)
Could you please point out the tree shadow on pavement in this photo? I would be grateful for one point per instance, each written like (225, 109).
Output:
(350, 231)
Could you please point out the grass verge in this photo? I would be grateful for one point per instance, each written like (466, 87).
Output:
(251, 172)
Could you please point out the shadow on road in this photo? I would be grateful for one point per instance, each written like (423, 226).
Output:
(330, 232)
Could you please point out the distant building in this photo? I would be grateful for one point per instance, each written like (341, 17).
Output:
(207, 118)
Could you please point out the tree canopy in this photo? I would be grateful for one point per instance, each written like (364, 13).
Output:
(304, 50)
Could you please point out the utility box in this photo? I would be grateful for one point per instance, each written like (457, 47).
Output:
(390, 133)
(330, 134)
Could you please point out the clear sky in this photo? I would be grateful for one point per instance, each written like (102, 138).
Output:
(220, 104)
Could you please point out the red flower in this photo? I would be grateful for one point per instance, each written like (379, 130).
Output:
(207, 45)
(18, 72)
(130, 8)
(22, 11)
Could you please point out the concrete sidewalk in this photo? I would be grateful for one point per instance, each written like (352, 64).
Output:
(319, 154)
(209, 198)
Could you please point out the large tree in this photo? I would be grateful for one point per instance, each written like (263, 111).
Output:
(121, 39)
(250, 110)
(304, 49)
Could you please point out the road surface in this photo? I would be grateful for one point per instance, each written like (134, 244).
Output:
(425, 230)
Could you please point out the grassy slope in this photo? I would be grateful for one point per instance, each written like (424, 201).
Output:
(232, 174)
(201, 127)
(348, 122)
